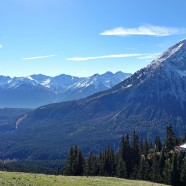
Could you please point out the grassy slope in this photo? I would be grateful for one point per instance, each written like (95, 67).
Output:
(24, 179)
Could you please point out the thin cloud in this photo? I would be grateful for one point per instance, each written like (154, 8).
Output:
(1, 46)
(103, 57)
(38, 57)
(149, 56)
(148, 30)
(139, 56)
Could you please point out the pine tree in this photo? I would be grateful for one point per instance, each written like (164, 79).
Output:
(143, 171)
(183, 172)
(91, 168)
(167, 172)
(75, 162)
(141, 147)
(134, 174)
(158, 144)
(125, 152)
(146, 147)
(135, 156)
(121, 169)
(156, 176)
(68, 166)
(175, 177)
(80, 164)
(162, 161)
(101, 162)
(109, 162)
(170, 138)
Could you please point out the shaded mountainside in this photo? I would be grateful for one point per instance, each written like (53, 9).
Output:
(8, 117)
(36, 90)
(147, 101)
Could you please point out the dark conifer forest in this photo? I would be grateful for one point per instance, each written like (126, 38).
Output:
(135, 159)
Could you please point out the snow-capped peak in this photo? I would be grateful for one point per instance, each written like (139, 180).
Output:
(30, 77)
(173, 50)
(175, 55)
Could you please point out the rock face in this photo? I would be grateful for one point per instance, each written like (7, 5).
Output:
(147, 101)
(36, 90)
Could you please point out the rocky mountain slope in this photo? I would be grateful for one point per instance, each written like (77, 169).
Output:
(147, 101)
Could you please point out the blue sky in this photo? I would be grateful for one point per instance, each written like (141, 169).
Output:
(83, 37)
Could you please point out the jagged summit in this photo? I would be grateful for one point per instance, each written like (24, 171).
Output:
(36, 90)
(183, 40)
(167, 72)
(175, 55)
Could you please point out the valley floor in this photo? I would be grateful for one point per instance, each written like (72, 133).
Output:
(25, 179)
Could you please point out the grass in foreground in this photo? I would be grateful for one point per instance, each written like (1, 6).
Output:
(25, 179)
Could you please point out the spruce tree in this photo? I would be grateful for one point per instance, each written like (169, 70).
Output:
(183, 172)
(75, 161)
(80, 164)
(146, 147)
(121, 169)
(134, 174)
(156, 176)
(135, 156)
(68, 165)
(101, 162)
(158, 144)
(175, 177)
(143, 171)
(74, 164)
(167, 172)
(125, 152)
(170, 141)
(109, 162)
(162, 161)
(91, 168)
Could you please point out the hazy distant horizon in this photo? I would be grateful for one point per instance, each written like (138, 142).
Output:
(66, 74)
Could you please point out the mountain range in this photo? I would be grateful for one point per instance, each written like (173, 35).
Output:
(147, 101)
(36, 90)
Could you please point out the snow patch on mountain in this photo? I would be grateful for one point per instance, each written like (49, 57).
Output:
(54, 89)
(46, 83)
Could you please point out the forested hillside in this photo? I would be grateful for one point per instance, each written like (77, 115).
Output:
(135, 159)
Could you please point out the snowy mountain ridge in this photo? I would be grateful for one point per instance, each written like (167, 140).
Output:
(39, 89)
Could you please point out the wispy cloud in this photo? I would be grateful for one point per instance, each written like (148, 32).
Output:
(1, 46)
(139, 56)
(103, 57)
(148, 30)
(38, 57)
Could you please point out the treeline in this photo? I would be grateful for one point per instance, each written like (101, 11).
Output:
(32, 166)
(135, 159)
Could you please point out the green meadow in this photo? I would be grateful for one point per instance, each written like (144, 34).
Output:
(25, 179)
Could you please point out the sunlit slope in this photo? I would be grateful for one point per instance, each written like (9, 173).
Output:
(22, 179)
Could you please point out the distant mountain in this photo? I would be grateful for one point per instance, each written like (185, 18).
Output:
(37, 90)
(91, 85)
(147, 101)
